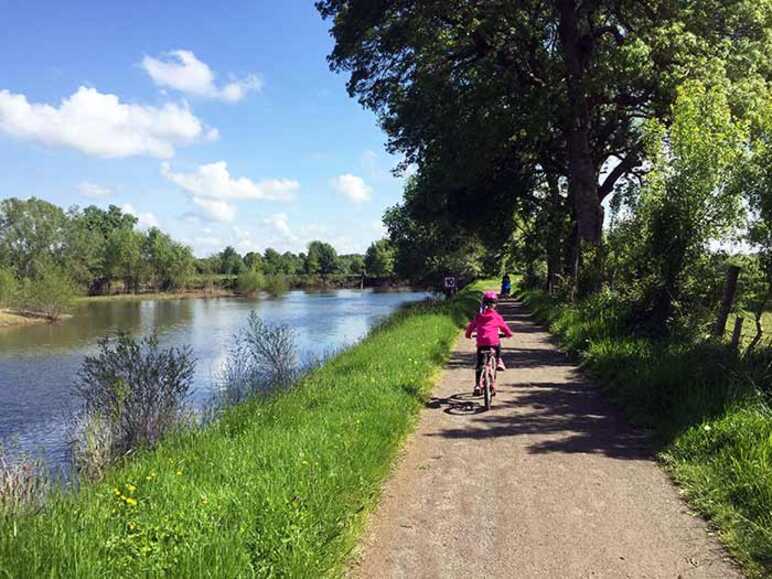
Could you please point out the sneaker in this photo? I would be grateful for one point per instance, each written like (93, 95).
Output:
(476, 391)
(500, 367)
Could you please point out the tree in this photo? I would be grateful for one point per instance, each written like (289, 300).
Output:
(9, 287)
(570, 81)
(31, 230)
(272, 262)
(352, 263)
(253, 261)
(231, 262)
(379, 259)
(171, 263)
(49, 291)
(123, 258)
(322, 259)
(687, 202)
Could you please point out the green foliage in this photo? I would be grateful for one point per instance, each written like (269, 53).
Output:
(49, 292)
(134, 392)
(709, 409)
(9, 287)
(686, 203)
(322, 259)
(379, 258)
(30, 230)
(231, 262)
(250, 282)
(276, 285)
(277, 487)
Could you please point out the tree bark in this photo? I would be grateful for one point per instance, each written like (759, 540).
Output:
(730, 288)
(554, 230)
(582, 172)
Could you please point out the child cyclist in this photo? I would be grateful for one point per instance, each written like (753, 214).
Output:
(488, 323)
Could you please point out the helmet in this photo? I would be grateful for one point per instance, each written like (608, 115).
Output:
(490, 297)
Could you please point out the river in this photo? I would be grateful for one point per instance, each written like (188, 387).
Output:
(39, 363)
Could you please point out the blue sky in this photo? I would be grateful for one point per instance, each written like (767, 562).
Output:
(221, 123)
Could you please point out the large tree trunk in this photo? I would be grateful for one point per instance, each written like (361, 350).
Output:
(582, 171)
(554, 234)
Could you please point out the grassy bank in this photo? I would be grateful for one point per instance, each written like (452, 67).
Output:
(276, 487)
(709, 411)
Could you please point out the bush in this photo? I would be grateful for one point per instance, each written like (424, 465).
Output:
(249, 283)
(133, 394)
(50, 292)
(263, 357)
(276, 285)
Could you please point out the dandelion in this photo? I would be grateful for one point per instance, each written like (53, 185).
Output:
(131, 488)
(131, 502)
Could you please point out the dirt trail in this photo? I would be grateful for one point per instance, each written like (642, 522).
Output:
(549, 483)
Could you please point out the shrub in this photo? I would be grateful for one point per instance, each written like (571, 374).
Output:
(49, 292)
(276, 285)
(262, 357)
(250, 282)
(133, 394)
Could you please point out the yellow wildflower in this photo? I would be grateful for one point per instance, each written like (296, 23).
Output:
(131, 502)
(179, 473)
(131, 488)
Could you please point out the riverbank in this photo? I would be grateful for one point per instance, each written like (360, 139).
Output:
(278, 486)
(11, 319)
(708, 410)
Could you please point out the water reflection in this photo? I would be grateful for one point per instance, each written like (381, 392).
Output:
(39, 363)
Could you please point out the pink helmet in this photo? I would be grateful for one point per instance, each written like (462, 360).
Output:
(490, 297)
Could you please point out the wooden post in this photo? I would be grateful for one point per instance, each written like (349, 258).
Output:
(738, 329)
(730, 288)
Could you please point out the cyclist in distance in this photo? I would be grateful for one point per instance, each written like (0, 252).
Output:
(506, 286)
(488, 323)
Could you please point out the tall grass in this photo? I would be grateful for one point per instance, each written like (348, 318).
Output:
(277, 486)
(708, 407)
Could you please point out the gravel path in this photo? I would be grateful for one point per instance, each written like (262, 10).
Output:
(550, 483)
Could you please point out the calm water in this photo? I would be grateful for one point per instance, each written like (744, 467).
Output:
(38, 363)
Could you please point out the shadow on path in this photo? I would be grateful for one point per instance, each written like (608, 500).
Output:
(542, 396)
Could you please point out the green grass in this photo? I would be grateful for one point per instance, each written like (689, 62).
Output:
(749, 327)
(278, 487)
(708, 409)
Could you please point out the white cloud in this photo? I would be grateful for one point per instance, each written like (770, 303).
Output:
(94, 191)
(182, 71)
(352, 187)
(280, 223)
(216, 209)
(101, 125)
(144, 220)
(215, 181)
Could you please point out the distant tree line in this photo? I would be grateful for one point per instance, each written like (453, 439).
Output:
(48, 255)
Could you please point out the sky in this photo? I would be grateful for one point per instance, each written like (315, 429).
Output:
(220, 123)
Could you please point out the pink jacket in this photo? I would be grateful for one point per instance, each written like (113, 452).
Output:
(488, 323)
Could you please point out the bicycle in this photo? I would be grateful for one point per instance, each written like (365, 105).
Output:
(488, 376)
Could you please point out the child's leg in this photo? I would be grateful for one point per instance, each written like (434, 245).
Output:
(499, 362)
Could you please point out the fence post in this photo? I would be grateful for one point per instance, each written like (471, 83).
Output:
(738, 328)
(730, 288)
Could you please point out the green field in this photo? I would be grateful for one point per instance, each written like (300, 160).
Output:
(278, 487)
